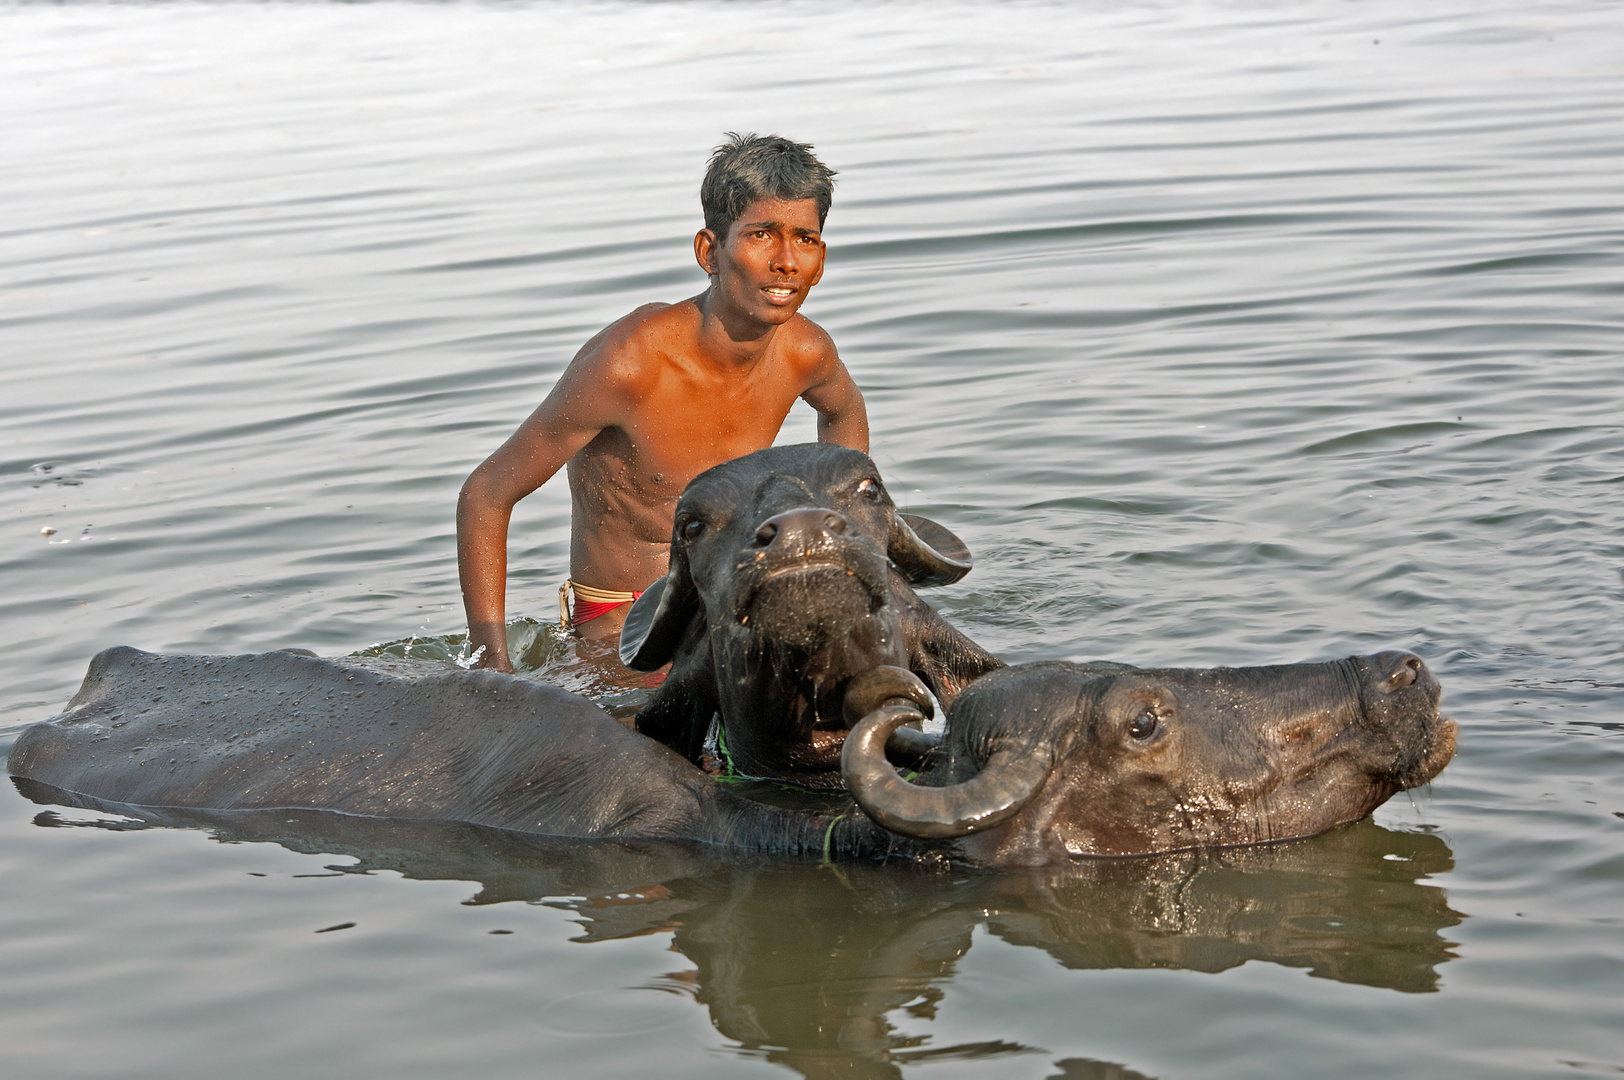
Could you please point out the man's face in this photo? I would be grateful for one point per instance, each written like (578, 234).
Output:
(769, 261)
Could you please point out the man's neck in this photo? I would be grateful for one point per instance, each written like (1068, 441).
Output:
(727, 338)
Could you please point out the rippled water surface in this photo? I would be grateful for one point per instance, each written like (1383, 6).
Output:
(1223, 333)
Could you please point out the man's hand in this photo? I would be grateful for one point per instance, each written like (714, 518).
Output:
(492, 637)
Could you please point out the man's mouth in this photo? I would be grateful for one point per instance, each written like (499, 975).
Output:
(779, 292)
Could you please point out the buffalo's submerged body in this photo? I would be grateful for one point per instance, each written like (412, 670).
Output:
(378, 737)
(1039, 763)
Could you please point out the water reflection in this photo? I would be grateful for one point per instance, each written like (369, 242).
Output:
(834, 969)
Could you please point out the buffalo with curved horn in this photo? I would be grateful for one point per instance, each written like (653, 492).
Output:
(791, 572)
(1047, 761)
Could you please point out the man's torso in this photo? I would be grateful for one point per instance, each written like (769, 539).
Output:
(683, 416)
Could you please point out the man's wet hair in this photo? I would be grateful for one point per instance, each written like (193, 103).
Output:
(751, 167)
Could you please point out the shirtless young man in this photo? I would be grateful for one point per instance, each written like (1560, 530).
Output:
(668, 391)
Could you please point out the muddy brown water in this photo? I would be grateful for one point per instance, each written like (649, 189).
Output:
(1223, 333)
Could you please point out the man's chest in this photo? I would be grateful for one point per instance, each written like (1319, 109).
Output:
(698, 425)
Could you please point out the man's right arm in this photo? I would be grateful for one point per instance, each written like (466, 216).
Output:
(579, 406)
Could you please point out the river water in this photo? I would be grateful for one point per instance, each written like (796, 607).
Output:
(1222, 332)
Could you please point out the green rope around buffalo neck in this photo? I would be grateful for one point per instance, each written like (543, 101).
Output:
(730, 773)
(829, 836)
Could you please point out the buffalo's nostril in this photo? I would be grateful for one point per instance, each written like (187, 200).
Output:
(805, 525)
(1398, 668)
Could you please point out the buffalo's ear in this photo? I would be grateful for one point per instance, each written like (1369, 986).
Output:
(926, 553)
(654, 626)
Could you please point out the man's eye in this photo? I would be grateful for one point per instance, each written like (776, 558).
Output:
(870, 489)
(692, 528)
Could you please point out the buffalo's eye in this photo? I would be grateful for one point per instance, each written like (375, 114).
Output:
(1144, 725)
(870, 489)
(692, 528)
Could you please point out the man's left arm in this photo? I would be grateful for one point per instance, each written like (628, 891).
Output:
(842, 416)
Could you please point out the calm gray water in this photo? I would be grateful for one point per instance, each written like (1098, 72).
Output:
(1223, 332)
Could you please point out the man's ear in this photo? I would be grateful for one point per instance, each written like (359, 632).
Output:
(705, 244)
(654, 626)
(926, 553)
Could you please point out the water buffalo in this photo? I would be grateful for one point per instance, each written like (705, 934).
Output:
(792, 571)
(1039, 764)
(1048, 761)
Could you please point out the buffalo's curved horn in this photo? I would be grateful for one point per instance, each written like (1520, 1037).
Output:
(926, 553)
(655, 623)
(991, 797)
(878, 686)
(887, 685)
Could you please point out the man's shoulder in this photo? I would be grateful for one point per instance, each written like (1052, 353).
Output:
(807, 345)
(644, 326)
(628, 348)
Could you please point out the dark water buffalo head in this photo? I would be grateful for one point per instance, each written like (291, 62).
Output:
(791, 571)
(1053, 760)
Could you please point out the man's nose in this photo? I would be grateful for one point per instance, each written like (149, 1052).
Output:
(783, 257)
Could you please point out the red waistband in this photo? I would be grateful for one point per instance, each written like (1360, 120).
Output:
(587, 610)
